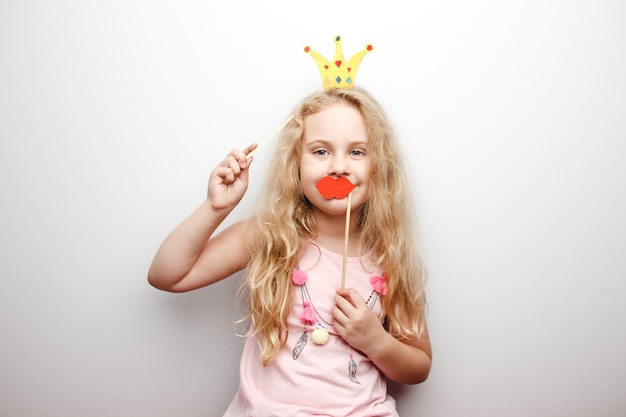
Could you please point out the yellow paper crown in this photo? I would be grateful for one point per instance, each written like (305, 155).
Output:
(338, 74)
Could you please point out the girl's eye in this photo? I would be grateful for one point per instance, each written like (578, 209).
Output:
(357, 152)
(320, 152)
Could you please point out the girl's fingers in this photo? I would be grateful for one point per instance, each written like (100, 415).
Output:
(225, 174)
(349, 297)
(236, 161)
(234, 165)
(344, 308)
(239, 160)
(249, 149)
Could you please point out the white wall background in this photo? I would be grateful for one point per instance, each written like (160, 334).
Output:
(112, 114)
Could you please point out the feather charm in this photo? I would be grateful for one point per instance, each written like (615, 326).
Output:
(297, 349)
(352, 370)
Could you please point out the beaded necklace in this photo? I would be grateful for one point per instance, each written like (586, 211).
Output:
(310, 317)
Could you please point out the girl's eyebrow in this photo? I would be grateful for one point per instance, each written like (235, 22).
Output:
(359, 143)
(328, 143)
(318, 142)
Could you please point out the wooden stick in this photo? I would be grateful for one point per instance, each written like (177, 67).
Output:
(345, 242)
(270, 136)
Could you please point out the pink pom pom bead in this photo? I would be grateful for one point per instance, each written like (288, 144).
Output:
(299, 277)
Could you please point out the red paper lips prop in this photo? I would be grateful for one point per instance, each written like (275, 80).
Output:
(337, 188)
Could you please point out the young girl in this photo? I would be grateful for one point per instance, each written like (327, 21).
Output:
(315, 347)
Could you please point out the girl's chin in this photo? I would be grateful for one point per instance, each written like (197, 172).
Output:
(335, 207)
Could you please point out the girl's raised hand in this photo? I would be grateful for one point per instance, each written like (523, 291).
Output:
(229, 180)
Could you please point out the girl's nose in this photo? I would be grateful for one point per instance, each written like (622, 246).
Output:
(339, 166)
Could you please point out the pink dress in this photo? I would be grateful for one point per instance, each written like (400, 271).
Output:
(307, 379)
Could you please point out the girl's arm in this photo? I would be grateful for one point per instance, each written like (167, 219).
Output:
(191, 257)
(405, 362)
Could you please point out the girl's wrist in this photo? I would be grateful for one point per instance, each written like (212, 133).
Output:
(214, 213)
(378, 345)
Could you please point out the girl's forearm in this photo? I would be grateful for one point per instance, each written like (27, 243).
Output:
(401, 362)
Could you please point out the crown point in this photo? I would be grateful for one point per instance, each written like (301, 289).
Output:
(369, 47)
(307, 49)
(337, 38)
